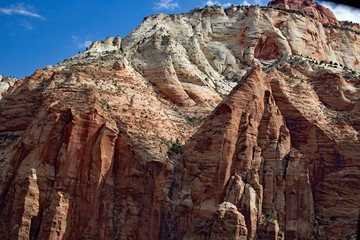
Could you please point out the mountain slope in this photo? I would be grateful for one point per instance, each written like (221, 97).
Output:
(92, 148)
(278, 155)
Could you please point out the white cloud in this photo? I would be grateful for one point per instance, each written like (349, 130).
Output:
(20, 9)
(212, 3)
(81, 42)
(166, 4)
(226, 5)
(343, 12)
(85, 44)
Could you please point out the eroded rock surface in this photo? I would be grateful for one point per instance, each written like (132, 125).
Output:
(6, 83)
(92, 148)
(308, 7)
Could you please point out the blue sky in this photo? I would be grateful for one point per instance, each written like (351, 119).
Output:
(37, 33)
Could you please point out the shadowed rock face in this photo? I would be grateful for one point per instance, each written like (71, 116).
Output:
(264, 153)
(92, 147)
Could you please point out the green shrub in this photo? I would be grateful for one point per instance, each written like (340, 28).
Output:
(175, 149)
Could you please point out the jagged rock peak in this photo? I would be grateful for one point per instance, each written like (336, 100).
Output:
(308, 7)
(110, 44)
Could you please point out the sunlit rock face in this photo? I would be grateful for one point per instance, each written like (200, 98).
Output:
(308, 7)
(213, 124)
(6, 83)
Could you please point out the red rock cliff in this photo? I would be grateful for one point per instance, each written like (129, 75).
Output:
(308, 7)
(92, 148)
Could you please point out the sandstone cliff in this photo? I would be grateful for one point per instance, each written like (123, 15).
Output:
(308, 7)
(6, 83)
(92, 148)
(270, 151)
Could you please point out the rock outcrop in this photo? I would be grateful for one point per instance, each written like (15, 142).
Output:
(215, 46)
(243, 155)
(351, 25)
(214, 124)
(308, 7)
(270, 151)
(109, 44)
(6, 83)
(78, 136)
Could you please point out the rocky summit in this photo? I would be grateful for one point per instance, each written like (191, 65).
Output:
(237, 123)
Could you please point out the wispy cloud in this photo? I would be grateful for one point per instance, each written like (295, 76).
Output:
(343, 12)
(81, 42)
(259, 2)
(228, 4)
(21, 9)
(166, 4)
(212, 3)
(85, 44)
(27, 25)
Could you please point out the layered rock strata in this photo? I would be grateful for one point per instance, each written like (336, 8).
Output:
(92, 147)
(308, 7)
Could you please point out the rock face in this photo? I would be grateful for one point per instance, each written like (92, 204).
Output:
(6, 83)
(109, 44)
(211, 45)
(204, 125)
(308, 7)
(84, 143)
(270, 151)
(243, 155)
(351, 25)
